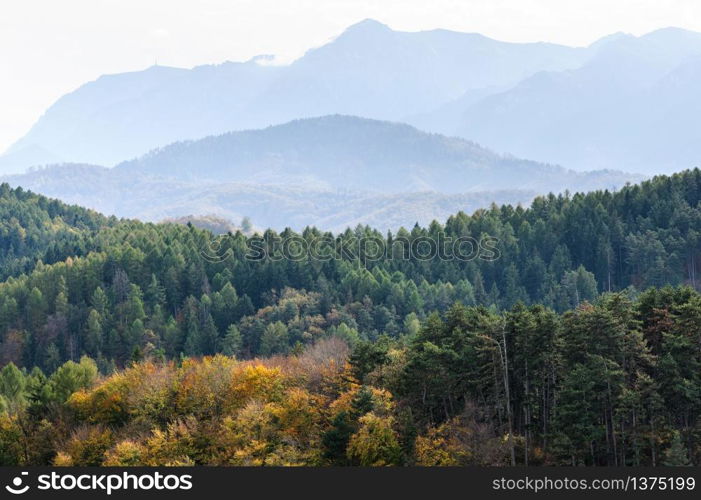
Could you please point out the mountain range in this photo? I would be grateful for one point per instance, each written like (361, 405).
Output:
(624, 102)
(369, 71)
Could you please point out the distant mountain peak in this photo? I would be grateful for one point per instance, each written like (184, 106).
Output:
(368, 25)
(365, 29)
(613, 37)
(671, 30)
(672, 35)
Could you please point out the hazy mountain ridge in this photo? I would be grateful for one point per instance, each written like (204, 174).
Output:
(346, 152)
(631, 107)
(332, 172)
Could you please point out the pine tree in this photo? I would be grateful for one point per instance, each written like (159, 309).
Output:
(676, 455)
(93, 334)
(274, 339)
(335, 440)
(232, 342)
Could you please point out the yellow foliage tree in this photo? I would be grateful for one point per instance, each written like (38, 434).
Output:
(376, 443)
(442, 446)
(126, 453)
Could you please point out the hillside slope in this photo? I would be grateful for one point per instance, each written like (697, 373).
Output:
(34, 228)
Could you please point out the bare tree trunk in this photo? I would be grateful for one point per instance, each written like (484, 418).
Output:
(528, 416)
(505, 361)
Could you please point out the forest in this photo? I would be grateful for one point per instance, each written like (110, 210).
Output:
(122, 343)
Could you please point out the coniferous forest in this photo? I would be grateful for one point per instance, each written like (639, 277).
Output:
(573, 339)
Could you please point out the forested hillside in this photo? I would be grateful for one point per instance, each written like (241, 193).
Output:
(531, 345)
(34, 228)
(616, 383)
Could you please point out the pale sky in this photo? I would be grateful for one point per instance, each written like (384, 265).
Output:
(50, 47)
